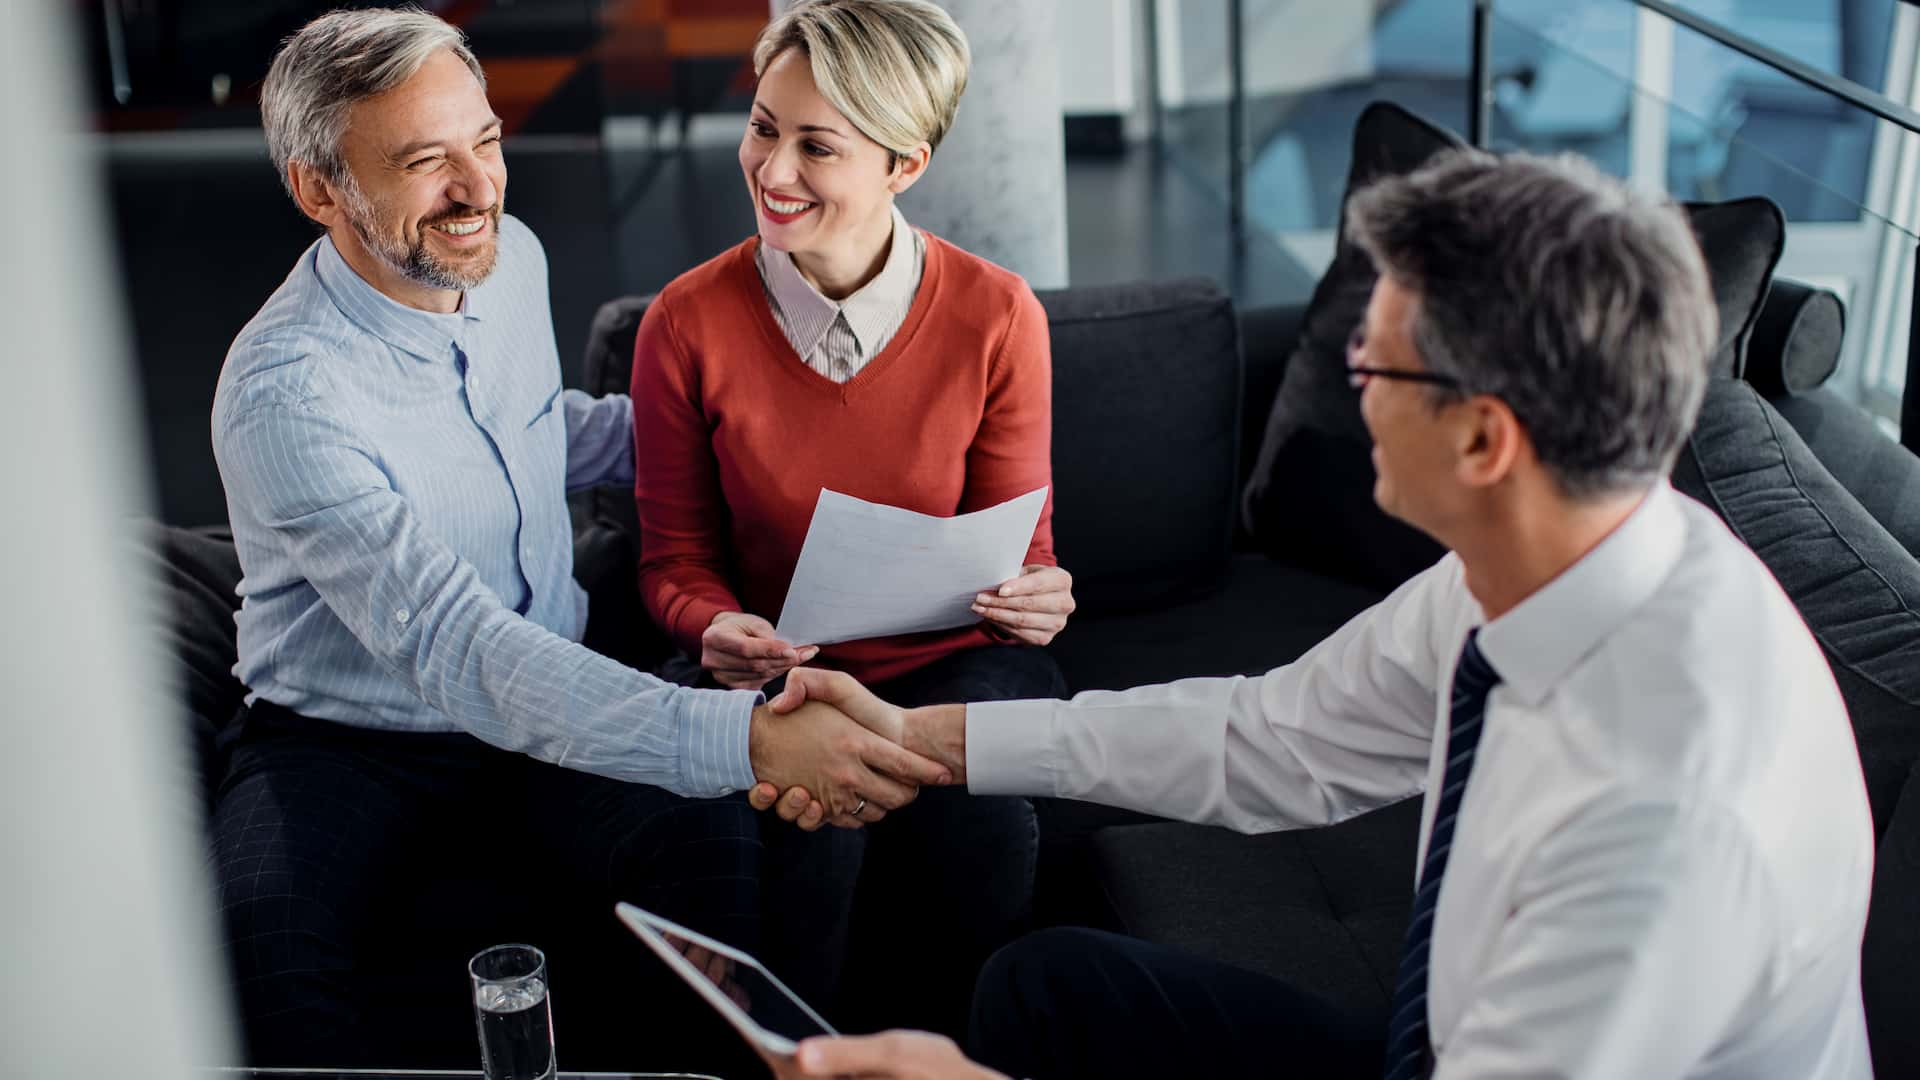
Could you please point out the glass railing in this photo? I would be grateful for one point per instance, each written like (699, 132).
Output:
(1647, 98)
(1677, 112)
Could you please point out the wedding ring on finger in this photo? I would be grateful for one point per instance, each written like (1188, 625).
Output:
(859, 806)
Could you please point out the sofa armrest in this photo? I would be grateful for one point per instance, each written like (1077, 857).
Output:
(198, 574)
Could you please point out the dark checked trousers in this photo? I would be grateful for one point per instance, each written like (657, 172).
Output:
(319, 825)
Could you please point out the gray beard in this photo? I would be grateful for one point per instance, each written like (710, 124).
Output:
(416, 263)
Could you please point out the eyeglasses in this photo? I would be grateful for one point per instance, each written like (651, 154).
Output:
(1358, 374)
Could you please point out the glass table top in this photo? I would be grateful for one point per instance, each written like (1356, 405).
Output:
(404, 1073)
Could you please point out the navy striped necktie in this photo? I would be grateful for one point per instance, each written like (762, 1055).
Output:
(1409, 1050)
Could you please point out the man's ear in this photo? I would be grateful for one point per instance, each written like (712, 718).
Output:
(317, 197)
(1491, 441)
(908, 170)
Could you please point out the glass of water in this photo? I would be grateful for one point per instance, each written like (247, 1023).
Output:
(510, 1007)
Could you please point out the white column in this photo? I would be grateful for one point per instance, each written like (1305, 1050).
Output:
(1647, 131)
(998, 184)
(105, 923)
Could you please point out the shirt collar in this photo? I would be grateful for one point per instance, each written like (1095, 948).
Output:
(426, 334)
(869, 312)
(1534, 645)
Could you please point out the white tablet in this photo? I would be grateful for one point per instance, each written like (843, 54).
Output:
(758, 1005)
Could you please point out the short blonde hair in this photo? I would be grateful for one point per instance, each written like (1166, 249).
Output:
(894, 68)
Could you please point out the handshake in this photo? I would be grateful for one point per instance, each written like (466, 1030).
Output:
(825, 750)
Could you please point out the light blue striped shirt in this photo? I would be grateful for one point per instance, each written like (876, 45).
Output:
(397, 482)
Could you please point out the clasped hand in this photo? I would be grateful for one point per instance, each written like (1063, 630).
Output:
(811, 689)
(844, 758)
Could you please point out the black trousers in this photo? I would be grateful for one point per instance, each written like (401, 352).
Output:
(943, 882)
(318, 825)
(1067, 1003)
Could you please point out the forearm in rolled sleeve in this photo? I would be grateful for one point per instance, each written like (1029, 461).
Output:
(424, 614)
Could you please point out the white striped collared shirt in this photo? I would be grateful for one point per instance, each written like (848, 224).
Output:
(837, 338)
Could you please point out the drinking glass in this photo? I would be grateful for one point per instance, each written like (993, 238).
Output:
(510, 1008)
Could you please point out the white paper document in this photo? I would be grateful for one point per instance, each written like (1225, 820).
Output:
(869, 570)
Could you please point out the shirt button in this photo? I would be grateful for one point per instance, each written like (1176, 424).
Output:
(527, 553)
(473, 383)
(401, 615)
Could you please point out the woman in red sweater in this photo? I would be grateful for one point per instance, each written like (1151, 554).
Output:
(840, 348)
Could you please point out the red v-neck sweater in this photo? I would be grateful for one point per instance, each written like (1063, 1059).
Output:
(734, 436)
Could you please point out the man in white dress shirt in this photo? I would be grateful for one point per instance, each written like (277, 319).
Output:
(1642, 793)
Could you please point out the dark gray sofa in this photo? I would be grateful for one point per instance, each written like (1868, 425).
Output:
(1160, 394)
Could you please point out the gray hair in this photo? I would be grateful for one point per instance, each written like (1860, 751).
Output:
(338, 59)
(1583, 305)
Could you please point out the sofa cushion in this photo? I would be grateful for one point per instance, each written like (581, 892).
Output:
(1146, 439)
(1857, 588)
(1322, 908)
(1875, 469)
(1309, 499)
(1264, 614)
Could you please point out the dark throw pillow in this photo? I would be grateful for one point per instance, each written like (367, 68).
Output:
(1742, 240)
(1309, 500)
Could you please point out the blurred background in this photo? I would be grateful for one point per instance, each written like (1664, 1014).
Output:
(1196, 136)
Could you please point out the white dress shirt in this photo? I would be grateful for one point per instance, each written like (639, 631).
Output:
(1663, 857)
(836, 338)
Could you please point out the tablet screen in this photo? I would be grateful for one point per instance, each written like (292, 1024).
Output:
(743, 981)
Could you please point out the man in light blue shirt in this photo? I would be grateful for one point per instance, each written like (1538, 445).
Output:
(397, 448)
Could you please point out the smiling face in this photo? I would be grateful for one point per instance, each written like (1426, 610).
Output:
(426, 181)
(822, 191)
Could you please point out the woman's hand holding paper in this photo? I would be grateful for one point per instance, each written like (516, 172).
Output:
(743, 654)
(1031, 608)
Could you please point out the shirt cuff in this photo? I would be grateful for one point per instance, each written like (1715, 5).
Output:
(717, 722)
(1010, 748)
